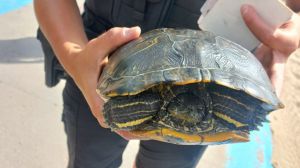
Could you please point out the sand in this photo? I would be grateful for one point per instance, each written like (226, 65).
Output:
(286, 123)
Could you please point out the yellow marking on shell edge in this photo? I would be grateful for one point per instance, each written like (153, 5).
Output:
(230, 120)
(163, 133)
(132, 123)
(244, 105)
(183, 136)
(160, 87)
(190, 82)
(114, 93)
(133, 104)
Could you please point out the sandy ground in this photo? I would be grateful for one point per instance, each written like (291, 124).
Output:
(286, 123)
(31, 131)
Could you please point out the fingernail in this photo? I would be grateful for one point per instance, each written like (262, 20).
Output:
(244, 9)
(132, 31)
(137, 29)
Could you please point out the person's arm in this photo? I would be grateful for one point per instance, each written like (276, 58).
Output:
(61, 23)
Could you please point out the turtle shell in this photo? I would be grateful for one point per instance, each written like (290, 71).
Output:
(188, 83)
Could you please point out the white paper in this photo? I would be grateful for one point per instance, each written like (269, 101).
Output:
(223, 17)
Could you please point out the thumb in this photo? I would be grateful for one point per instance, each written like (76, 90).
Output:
(114, 38)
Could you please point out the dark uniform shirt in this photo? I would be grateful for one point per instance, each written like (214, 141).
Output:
(148, 14)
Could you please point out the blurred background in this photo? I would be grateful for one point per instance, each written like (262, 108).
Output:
(32, 134)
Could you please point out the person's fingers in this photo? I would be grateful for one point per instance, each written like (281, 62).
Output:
(95, 103)
(262, 51)
(129, 136)
(291, 34)
(277, 71)
(274, 64)
(97, 109)
(265, 55)
(114, 38)
(126, 135)
(99, 48)
(259, 27)
(102, 65)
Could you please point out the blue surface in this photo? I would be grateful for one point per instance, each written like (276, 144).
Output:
(255, 154)
(8, 5)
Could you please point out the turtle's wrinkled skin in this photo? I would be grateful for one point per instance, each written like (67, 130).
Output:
(186, 87)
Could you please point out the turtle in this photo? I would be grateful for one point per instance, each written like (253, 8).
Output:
(185, 86)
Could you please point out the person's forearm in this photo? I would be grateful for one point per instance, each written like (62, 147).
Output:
(61, 23)
(294, 5)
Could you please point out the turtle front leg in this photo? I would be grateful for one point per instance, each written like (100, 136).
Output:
(129, 112)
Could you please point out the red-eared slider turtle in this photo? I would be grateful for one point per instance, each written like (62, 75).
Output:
(186, 87)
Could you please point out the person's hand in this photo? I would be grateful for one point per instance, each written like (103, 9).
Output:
(88, 62)
(277, 43)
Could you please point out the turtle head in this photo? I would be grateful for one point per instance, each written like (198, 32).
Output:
(187, 107)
